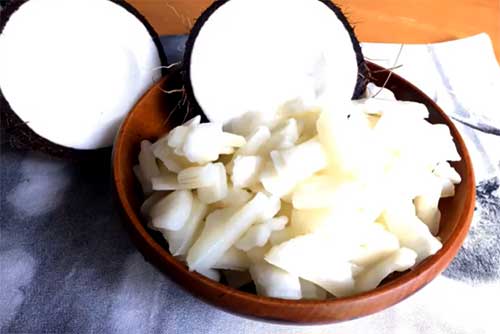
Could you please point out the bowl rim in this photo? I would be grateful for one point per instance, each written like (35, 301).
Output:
(433, 265)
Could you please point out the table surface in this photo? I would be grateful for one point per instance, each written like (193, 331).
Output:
(409, 21)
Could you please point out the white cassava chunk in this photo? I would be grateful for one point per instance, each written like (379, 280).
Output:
(368, 120)
(312, 291)
(398, 132)
(213, 274)
(310, 220)
(256, 236)
(291, 166)
(147, 162)
(271, 281)
(255, 141)
(177, 136)
(448, 177)
(320, 191)
(150, 202)
(401, 260)
(405, 179)
(276, 183)
(376, 244)
(217, 190)
(448, 188)
(173, 162)
(173, 211)
(316, 258)
(356, 270)
(302, 160)
(215, 217)
(145, 183)
(193, 122)
(284, 136)
(201, 144)
(293, 107)
(215, 240)
(237, 279)
(411, 231)
(426, 204)
(271, 209)
(296, 108)
(256, 254)
(198, 177)
(166, 182)
(235, 197)
(344, 201)
(163, 169)
(181, 240)
(278, 223)
(443, 143)
(249, 122)
(233, 259)
(246, 170)
(231, 140)
(351, 146)
(444, 170)
(424, 144)
(205, 142)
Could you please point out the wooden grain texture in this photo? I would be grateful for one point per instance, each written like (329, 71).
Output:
(147, 121)
(409, 21)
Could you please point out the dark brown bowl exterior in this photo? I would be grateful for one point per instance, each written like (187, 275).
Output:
(148, 121)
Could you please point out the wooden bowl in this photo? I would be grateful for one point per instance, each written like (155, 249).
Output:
(148, 121)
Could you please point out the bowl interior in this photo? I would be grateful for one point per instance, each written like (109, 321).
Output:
(158, 111)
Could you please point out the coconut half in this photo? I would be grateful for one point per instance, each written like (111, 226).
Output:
(255, 55)
(70, 70)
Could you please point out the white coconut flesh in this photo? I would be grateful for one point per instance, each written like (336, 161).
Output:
(72, 69)
(254, 55)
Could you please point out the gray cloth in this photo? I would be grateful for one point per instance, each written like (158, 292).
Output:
(67, 265)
